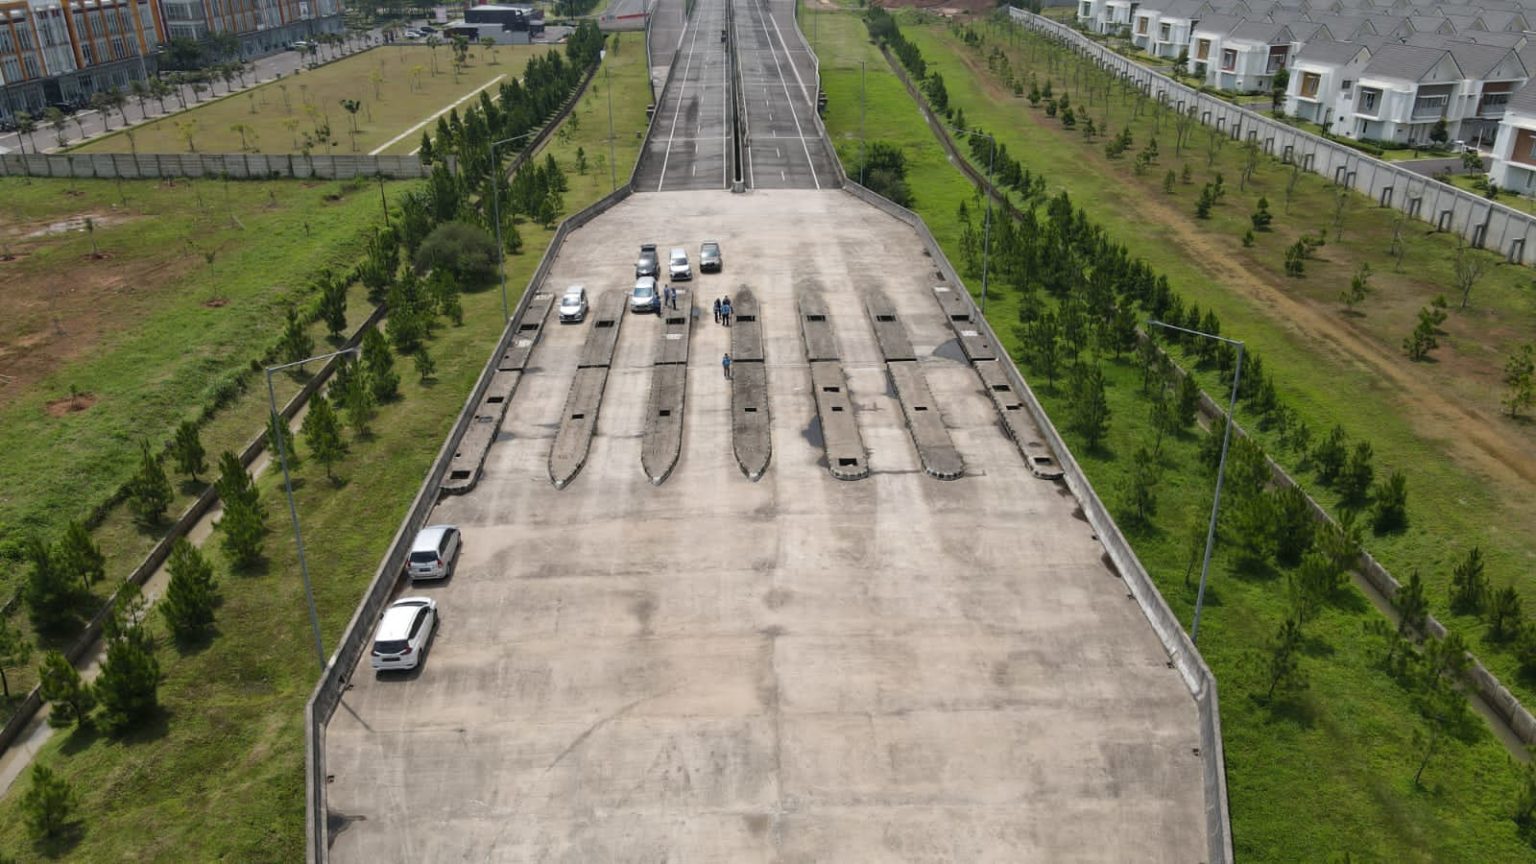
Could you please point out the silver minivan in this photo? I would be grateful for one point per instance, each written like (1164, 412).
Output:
(677, 265)
(433, 552)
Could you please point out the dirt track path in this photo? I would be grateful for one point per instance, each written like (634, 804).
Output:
(1484, 445)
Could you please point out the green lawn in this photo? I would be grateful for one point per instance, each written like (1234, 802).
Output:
(221, 778)
(587, 129)
(1469, 469)
(396, 84)
(1330, 772)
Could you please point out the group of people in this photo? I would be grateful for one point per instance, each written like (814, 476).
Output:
(669, 297)
(723, 311)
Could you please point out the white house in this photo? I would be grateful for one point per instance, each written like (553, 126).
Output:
(1205, 44)
(1323, 76)
(1162, 27)
(1094, 15)
(1514, 150)
(1402, 92)
(1251, 54)
(1493, 74)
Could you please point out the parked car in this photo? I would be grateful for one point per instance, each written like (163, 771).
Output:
(1044, 467)
(404, 630)
(647, 264)
(573, 305)
(709, 257)
(678, 266)
(644, 298)
(433, 552)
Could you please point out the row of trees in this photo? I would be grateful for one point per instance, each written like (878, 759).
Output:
(1262, 521)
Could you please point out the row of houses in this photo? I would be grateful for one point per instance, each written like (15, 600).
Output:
(59, 52)
(1388, 71)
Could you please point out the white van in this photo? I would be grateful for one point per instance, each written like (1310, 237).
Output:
(677, 265)
(433, 552)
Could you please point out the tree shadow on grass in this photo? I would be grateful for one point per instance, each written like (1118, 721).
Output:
(1294, 708)
(62, 842)
(1316, 646)
(1349, 601)
(149, 729)
(188, 486)
(192, 646)
(81, 737)
(1253, 568)
(260, 566)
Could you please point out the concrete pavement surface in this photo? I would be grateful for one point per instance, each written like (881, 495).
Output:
(668, 21)
(784, 146)
(690, 142)
(794, 669)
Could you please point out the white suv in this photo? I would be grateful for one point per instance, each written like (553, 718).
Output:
(403, 634)
(678, 267)
(433, 551)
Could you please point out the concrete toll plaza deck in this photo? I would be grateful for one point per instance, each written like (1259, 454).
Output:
(801, 668)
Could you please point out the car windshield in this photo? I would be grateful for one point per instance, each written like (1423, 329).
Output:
(571, 300)
(390, 646)
(680, 259)
(711, 249)
(644, 291)
(425, 557)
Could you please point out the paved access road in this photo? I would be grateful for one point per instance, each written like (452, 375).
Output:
(798, 669)
(690, 141)
(784, 145)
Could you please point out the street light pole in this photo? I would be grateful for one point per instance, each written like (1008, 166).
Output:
(986, 240)
(1221, 468)
(861, 123)
(293, 510)
(501, 265)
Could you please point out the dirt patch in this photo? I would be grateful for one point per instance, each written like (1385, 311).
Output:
(1469, 435)
(73, 223)
(216, 302)
(947, 8)
(71, 404)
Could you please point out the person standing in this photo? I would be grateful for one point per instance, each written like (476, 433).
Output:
(725, 311)
(725, 363)
(717, 310)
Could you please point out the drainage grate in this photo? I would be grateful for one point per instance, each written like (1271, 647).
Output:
(750, 410)
(815, 317)
(844, 462)
(459, 474)
(495, 399)
(666, 412)
(1001, 388)
(831, 389)
(959, 317)
(836, 409)
(744, 319)
(607, 323)
(885, 318)
(578, 416)
(919, 407)
(527, 327)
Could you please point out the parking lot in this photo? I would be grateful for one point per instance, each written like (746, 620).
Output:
(796, 669)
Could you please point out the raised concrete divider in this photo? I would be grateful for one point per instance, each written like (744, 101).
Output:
(579, 422)
(469, 456)
(1481, 222)
(1182, 653)
(236, 166)
(663, 440)
(751, 436)
(840, 439)
(935, 449)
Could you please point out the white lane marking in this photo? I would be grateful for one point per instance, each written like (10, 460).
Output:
(391, 142)
(682, 88)
(792, 112)
(792, 66)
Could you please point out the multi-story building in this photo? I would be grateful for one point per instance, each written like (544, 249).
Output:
(1514, 150)
(55, 52)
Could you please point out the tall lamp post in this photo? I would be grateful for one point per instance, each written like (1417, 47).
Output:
(613, 168)
(1221, 467)
(986, 241)
(501, 264)
(293, 510)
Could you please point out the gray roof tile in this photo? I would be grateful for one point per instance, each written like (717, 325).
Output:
(1404, 62)
(1324, 51)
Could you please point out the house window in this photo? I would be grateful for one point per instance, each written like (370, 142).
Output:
(1203, 49)
(1228, 60)
(1368, 100)
(1531, 155)
(1087, 10)
(1141, 26)
(1493, 104)
(1429, 106)
(1344, 88)
(1309, 84)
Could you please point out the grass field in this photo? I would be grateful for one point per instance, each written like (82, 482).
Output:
(1472, 472)
(1330, 772)
(396, 85)
(221, 777)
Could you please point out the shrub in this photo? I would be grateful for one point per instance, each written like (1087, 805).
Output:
(48, 807)
(464, 250)
(191, 594)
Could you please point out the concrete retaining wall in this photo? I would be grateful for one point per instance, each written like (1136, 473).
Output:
(238, 166)
(1482, 223)
(1181, 651)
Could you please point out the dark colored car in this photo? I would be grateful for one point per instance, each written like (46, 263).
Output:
(709, 258)
(647, 264)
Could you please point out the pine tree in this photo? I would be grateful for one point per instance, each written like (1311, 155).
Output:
(188, 450)
(1469, 585)
(129, 684)
(350, 392)
(244, 530)
(333, 304)
(78, 556)
(322, 433)
(425, 368)
(48, 807)
(63, 688)
(1391, 499)
(50, 591)
(1188, 401)
(1090, 407)
(149, 492)
(295, 344)
(235, 483)
(280, 440)
(191, 594)
(383, 380)
(1284, 660)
